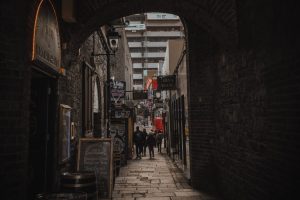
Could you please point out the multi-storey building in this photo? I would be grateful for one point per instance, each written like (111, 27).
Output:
(147, 36)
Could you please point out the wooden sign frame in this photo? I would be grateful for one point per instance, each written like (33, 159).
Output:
(167, 82)
(99, 141)
(64, 133)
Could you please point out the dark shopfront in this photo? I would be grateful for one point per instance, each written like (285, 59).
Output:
(177, 136)
(45, 70)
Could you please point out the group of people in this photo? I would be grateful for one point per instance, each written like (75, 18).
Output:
(142, 140)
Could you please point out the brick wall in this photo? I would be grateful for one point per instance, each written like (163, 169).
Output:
(14, 84)
(70, 86)
(244, 108)
(201, 109)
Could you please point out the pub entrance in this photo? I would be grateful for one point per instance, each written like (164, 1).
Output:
(41, 138)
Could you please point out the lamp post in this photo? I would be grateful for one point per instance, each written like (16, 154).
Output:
(113, 41)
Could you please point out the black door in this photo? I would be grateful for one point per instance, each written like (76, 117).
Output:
(41, 134)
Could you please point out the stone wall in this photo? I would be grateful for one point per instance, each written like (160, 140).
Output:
(121, 63)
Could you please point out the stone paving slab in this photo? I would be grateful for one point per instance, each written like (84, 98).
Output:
(155, 179)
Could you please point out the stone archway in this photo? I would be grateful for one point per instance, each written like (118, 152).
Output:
(254, 151)
(209, 25)
(217, 17)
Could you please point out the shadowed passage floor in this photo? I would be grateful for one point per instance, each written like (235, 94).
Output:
(155, 179)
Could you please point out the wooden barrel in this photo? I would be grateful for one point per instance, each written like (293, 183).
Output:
(80, 182)
(62, 196)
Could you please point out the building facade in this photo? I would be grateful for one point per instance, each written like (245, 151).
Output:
(243, 86)
(147, 36)
(176, 104)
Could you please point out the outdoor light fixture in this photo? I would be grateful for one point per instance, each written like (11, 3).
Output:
(111, 48)
(157, 95)
(113, 39)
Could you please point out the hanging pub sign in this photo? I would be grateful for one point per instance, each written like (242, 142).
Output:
(46, 50)
(166, 82)
(117, 90)
(140, 95)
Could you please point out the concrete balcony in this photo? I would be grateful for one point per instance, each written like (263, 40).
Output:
(136, 55)
(146, 44)
(135, 27)
(155, 44)
(146, 65)
(163, 34)
(137, 76)
(134, 44)
(161, 16)
(154, 34)
(138, 87)
(137, 65)
(148, 55)
(164, 24)
(152, 65)
(155, 55)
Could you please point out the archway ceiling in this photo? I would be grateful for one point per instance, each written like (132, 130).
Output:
(217, 17)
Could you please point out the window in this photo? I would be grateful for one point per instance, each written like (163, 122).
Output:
(87, 107)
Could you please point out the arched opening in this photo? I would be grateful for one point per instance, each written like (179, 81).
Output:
(97, 108)
(243, 86)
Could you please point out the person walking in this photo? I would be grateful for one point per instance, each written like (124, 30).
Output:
(144, 135)
(155, 136)
(151, 143)
(159, 138)
(138, 141)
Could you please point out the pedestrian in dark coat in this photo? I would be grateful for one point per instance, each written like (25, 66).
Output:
(138, 141)
(159, 138)
(151, 143)
(144, 134)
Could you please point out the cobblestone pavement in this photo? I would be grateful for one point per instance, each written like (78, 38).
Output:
(155, 179)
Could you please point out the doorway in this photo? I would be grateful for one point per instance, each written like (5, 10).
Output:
(41, 138)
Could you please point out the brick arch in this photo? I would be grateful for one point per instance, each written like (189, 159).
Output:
(217, 17)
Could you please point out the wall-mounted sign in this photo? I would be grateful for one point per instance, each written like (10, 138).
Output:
(140, 95)
(166, 82)
(64, 132)
(119, 136)
(120, 113)
(117, 90)
(46, 39)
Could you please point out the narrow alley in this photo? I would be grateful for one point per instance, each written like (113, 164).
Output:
(86, 86)
(154, 179)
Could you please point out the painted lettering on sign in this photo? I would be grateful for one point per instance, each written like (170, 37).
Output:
(95, 155)
(166, 82)
(46, 39)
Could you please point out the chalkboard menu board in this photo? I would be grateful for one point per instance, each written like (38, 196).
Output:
(95, 155)
(119, 134)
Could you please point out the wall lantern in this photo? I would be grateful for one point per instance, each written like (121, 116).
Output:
(113, 39)
(157, 94)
